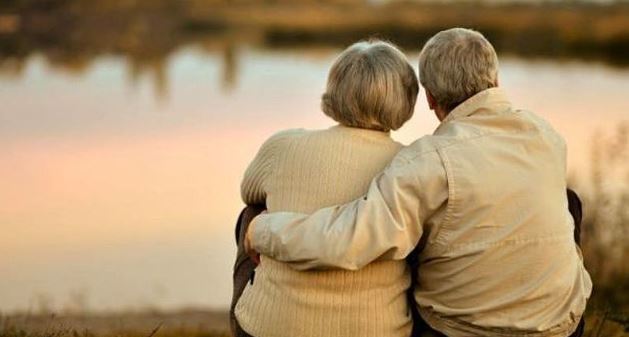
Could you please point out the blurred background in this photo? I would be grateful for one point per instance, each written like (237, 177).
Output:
(126, 125)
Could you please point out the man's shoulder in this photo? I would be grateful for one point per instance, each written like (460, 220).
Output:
(536, 120)
(425, 147)
(543, 127)
(419, 158)
(420, 167)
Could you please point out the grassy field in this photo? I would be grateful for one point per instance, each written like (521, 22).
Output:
(190, 323)
(200, 324)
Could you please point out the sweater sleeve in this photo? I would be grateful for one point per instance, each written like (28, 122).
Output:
(254, 184)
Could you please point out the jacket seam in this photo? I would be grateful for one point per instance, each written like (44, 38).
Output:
(452, 198)
(444, 146)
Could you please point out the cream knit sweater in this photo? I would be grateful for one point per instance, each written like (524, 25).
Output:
(302, 171)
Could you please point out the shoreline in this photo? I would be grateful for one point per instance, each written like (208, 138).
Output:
(73, 35)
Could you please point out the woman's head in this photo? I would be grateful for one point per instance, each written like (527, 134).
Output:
(371, 85)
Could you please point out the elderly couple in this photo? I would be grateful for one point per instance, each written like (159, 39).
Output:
(469, 231)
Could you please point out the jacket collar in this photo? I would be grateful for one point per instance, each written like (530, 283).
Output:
(492, 99)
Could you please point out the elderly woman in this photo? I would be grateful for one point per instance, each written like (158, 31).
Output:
(371, 90)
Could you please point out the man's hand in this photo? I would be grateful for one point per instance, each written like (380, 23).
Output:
(253, 255)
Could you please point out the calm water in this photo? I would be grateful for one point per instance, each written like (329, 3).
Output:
(119, 188)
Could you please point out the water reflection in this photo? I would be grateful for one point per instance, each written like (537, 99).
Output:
(230, 66)
(112, 194)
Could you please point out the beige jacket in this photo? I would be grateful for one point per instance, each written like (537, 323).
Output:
(484, 197)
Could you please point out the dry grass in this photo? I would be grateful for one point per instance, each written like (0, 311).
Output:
(606, 224)
(188, 323)
(606, 324)
(598, 324)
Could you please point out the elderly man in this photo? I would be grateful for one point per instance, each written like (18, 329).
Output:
(482, 201)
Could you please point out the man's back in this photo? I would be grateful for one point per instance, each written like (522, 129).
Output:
(484, 199)
(500, 253)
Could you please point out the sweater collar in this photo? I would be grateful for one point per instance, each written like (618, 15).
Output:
(362, 132)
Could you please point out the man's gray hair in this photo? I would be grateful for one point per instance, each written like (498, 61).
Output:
(456, 64)
(371, 85)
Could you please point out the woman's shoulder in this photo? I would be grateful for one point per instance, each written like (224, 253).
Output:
(279, 139)
(281, 136)
(337, 135)
(288, 133)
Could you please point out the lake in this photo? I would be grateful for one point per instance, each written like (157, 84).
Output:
(119, 185)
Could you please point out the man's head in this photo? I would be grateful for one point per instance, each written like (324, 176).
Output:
(454, 65)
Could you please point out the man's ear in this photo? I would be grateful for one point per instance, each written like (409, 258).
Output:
(432, 102)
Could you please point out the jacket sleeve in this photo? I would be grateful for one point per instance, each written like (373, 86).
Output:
(386, 223)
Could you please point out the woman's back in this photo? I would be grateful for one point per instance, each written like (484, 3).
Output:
(322, 168)
(302, 171)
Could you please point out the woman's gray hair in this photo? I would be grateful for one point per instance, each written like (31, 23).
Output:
(456, 64)
(371, 85)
